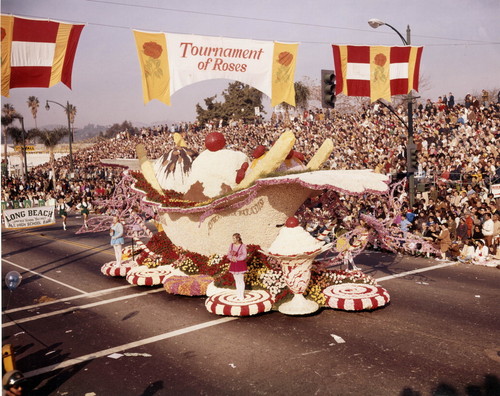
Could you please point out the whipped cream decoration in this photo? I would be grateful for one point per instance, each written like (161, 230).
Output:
(294, 241)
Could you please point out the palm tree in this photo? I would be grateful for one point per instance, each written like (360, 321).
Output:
(8, 116)
(33, 104)
(19, 140)
(50, 138)
(71, 111)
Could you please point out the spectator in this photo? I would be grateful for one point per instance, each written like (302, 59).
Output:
(488, 228)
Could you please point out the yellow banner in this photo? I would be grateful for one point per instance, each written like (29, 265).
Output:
(60, 53)
(284, 61)
(379, 73)
(153, 58)
(7, 27)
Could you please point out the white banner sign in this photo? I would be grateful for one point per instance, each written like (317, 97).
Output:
(249, 61)
(172, 61)
(495, 190)
(29, 217)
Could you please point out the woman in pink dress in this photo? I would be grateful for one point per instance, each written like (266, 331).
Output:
(237, 255)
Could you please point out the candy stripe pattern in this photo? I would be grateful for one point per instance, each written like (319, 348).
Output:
(193, 285)
(144, 276)
(356, 296)
(225, 303)
(109, 269)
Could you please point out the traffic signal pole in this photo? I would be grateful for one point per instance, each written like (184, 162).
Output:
(328, 89)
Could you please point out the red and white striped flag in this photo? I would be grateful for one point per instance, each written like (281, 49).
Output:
(376, 71)
(37, 53)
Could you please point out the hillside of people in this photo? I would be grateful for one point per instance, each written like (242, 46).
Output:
(458, 162)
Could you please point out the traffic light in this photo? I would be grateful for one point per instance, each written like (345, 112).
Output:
(412, 158)
(328, 89)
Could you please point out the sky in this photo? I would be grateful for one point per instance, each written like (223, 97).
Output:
(461, 40)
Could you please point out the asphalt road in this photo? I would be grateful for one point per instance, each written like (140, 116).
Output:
(77, 332)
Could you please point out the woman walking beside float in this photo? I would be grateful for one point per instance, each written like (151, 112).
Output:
(116, 233)
(237, 255)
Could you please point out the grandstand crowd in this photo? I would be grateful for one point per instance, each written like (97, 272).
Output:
(458, 162)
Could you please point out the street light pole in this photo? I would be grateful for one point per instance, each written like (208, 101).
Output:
(410, 145)
(70, 135)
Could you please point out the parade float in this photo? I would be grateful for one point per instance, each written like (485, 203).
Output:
(198, 201)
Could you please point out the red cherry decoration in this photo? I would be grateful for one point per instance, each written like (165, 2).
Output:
(299, 156)
(292, 222)
(215, 141)
(240, 175)
(290, 154)
(259, 151)
(244, 166)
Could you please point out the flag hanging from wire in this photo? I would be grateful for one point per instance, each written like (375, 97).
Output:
(376, 71)
(170, 62)
(37, 53)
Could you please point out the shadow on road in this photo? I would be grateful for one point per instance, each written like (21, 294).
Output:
(51, 381)
(490, 387)
(153, 388)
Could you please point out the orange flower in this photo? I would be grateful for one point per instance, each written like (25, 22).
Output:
(380, 59)
(152, 49)
(285, 58)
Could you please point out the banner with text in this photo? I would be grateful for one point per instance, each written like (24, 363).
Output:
(29, 217)
(495, 190)
(170, 62)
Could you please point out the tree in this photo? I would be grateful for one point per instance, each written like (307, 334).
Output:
(116, 128)
(212, 112)
(8, 116)
(50, 138)
(33, 104)
(19, 140)
(302, 95)
(240, 101)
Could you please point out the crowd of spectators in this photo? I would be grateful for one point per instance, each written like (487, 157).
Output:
(458, 161)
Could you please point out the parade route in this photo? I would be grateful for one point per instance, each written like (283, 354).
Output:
(171, 343)
(128, 346)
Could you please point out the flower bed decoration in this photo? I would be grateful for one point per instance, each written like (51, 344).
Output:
(194, 285)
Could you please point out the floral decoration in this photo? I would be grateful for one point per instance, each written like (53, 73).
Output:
(152, 66)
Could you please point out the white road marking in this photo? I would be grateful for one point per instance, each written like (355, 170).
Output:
(43, 276)
(442, 265)
(84, 295)
(79, 307)
(130, 345)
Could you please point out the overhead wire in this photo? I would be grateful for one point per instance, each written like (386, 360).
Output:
(464, 42)
(205, 13)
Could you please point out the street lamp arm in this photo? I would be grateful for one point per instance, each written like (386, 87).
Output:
(47, 107)
(375, 23)
(399, 34)
(396, 114)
